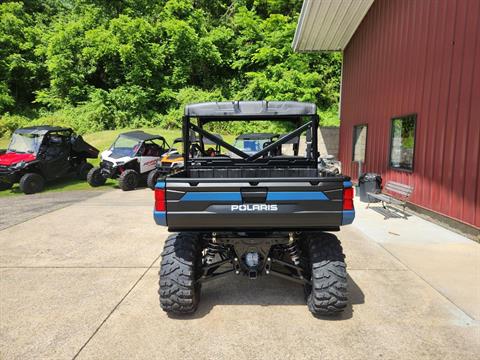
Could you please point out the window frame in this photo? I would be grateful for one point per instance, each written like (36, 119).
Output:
(402, 117)
(353, 142)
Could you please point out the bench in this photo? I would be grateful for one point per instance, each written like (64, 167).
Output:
(401, 191)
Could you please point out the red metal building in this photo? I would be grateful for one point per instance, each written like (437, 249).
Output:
(416, 61)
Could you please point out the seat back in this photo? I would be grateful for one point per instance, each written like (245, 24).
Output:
(398, 188)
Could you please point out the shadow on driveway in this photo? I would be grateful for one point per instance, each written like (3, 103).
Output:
(390, 212)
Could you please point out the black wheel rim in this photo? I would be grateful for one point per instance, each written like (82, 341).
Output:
(34, 185)
(131, 181)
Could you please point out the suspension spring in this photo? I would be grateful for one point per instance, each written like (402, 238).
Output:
(212, 250)
(294, 252)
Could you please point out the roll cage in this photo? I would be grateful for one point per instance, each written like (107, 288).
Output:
(144, 142)
(302, 114)
(46, 135)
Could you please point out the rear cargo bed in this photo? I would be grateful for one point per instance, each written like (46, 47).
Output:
(252, 172)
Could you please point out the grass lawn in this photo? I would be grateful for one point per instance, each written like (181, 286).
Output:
(101, 140)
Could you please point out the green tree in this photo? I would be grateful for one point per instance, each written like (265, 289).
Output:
(99, 64)
(21, 72)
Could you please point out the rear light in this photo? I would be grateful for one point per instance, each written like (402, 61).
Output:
(348, 198)
(160, 199)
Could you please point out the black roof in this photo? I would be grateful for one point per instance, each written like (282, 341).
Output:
(196, 139)
(256, 136)
(250, 108)
(41, 129)
(141, 135)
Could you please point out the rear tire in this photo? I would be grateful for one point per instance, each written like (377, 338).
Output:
(179, 273)
(95, 177)
(31, 183)
(83, 169)
(327, 295)
(153, 178)
(128, 180)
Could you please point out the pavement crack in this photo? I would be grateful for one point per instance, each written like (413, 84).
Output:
(116, 307)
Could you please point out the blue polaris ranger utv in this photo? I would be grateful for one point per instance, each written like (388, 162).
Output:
(253, 214)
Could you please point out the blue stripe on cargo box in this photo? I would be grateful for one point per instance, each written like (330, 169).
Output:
(296, 195)
(212, 196)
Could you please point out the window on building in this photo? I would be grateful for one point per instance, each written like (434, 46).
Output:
(359, 142)
(402, 142)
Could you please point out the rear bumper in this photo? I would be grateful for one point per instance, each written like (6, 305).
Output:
(291, 221)
(220, 218)
(217, 222)
(348, 216)
(160, 217)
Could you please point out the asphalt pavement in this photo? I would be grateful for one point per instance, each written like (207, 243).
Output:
(17, 209)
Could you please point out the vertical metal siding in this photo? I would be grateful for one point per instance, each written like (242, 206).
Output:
(419, 57)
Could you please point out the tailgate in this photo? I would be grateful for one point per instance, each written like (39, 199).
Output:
(253, 204)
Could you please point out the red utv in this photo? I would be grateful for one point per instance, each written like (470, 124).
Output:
(43, 153)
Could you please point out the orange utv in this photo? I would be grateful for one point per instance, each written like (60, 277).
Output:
(172, 161)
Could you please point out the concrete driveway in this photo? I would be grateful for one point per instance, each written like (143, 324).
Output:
(81, 282)
(17, 209)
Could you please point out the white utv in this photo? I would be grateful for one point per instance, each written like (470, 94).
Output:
(131, 158)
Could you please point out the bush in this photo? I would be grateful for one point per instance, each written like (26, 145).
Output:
(188, 95)
(329, 117)
(8, 124)
(81, 119)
